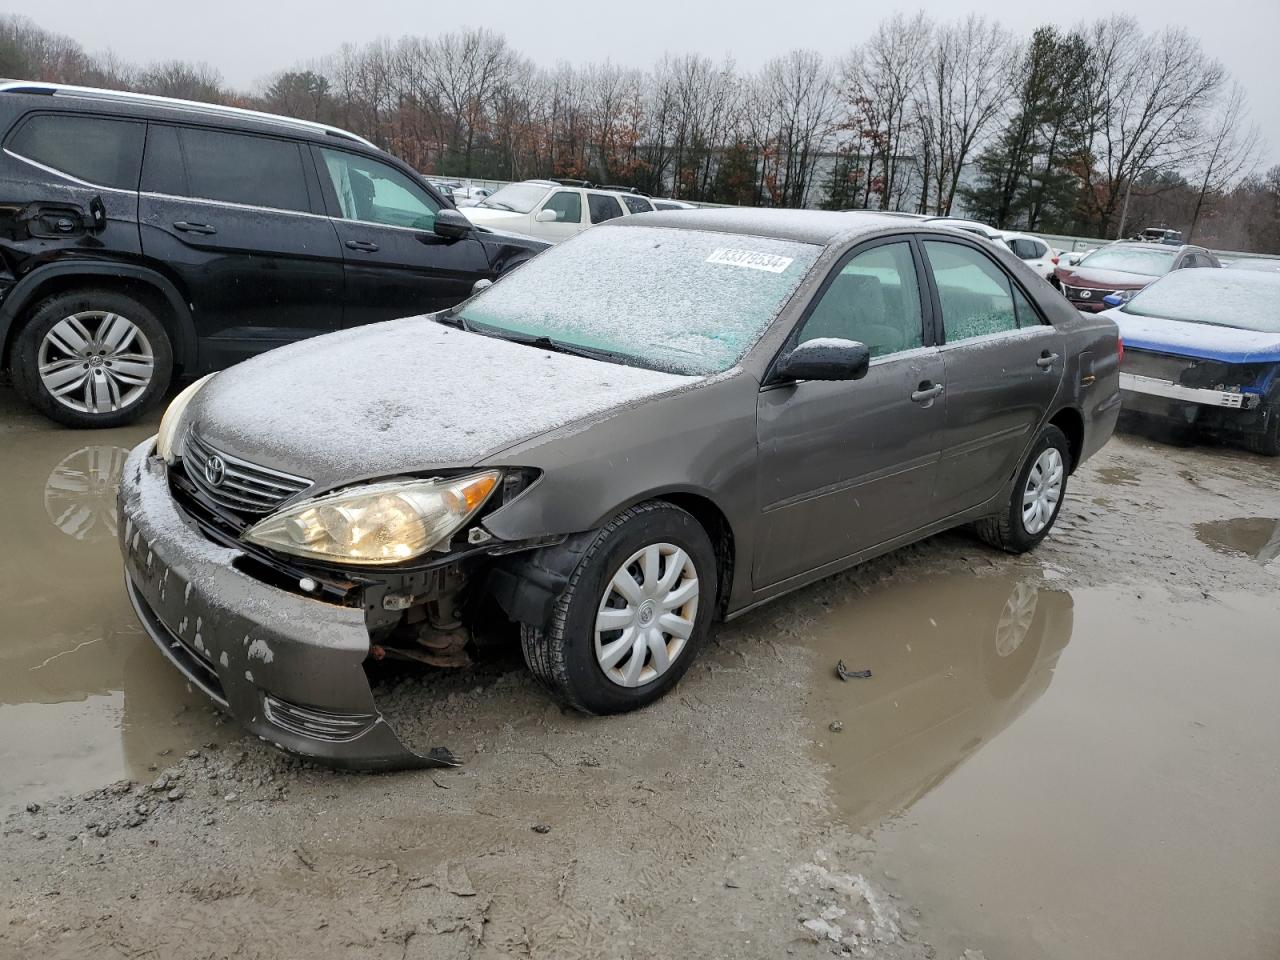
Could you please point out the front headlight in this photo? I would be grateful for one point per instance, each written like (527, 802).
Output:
(378, 523)
(168, 431)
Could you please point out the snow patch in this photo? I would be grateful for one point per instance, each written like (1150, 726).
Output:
(258, 650)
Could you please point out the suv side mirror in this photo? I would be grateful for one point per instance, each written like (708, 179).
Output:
(825, 358)
(451, 225)
(546, 216)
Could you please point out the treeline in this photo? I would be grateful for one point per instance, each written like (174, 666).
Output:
(1099, 130)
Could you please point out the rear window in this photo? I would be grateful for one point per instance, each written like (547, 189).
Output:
(238, 168)
(637, 204)
(103, 152)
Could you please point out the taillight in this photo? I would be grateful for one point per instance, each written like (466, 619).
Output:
(1055, 261)
(1119, 349)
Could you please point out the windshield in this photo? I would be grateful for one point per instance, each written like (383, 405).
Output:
(1246, 301)
(1151, 263)
(516, 197)
(682, 301)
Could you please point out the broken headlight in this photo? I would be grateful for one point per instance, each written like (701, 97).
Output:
(378, 523)
(167, 435)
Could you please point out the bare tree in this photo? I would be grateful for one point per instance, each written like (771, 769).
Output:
(1230, 152)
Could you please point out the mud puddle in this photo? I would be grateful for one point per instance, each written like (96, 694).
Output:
(85, 698)
(1256, 537)
(1061, 775)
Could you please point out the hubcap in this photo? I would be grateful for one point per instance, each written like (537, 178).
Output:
(1042, 492)
(646, 615)
(95, 362)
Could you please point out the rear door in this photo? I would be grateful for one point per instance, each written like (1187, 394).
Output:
(603, 206)
(1003, 364)
(846, 465)
(396, 265)
(235, 216)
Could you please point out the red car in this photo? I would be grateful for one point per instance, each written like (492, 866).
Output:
(1124, 268)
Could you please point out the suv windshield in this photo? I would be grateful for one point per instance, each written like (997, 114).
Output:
(1151, 263)
(682, 301)
(1246, 301)
(516, 197)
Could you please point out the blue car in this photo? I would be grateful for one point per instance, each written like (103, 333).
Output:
(1202, 350)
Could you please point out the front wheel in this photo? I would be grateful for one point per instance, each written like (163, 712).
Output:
(637, 608)
(1267, 440)
(1036, 497)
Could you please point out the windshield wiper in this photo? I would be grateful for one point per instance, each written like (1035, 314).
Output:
(559, 346)
(452, 318)
(498, 206)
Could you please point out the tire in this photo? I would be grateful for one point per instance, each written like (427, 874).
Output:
(565, 657)
(1267, 440)
(1010, 530)
(105, 395)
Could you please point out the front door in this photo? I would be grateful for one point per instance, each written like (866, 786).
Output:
(232, 214)
(396, 265)
(1003, 365)
(567, 206)
(847, 465)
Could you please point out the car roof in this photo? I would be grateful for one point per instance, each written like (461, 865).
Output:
(804, 226)
(1144, 245)
(125, 103)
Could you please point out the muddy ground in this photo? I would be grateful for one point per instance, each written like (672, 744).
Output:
(1070, 754)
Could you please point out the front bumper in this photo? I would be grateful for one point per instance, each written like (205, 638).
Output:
(289, 668)
(1155, 387)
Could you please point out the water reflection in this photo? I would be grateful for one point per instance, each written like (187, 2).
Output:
(1255, 537)
(84, 696)
(955, 660)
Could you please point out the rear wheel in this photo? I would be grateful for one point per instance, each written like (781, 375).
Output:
(1036, 497)
(92, 358)
(1267, 440)
(637, 608)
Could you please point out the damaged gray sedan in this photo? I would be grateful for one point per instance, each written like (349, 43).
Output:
(663, 422)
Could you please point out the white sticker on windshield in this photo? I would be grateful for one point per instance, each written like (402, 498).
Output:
(749, 259)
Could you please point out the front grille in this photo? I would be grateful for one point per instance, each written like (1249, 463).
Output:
(240, 486)
(1095, 295)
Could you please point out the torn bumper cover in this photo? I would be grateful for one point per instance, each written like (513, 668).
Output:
(289, 668)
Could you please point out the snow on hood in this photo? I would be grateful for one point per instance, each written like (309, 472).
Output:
(1204, 340)
(1097, 277)
(402, 396)
(488, 216)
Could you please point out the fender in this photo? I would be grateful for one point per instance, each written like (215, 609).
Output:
(26, 290)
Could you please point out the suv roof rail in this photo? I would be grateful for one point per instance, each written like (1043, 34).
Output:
(568, 182)
(621, 189)
(192, 106)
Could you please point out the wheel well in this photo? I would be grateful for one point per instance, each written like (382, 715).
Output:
(1069, 421)
(140, 290)
(718, 529)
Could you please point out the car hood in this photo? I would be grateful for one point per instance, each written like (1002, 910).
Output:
(404, 396)
(489, 217)
(1103, 279)
(1204, 340)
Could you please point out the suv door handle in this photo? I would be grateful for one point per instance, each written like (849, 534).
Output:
(1046, 360)
(188, 227)
(366, 245)
(927, 392)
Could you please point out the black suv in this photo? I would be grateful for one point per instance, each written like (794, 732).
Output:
(143, 238)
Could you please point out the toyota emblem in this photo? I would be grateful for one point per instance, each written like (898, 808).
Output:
(214, 470)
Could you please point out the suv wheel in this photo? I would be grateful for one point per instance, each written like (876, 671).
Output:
(1036, 497)
(92, 358)
(637, 608)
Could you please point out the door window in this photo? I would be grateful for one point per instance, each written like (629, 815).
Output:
(104, 152)
(567, 204)
(239, 168)
(1028, 315)
(603, 207)
(975, 294)
(637, 204)
(1026, 249)
(376, 192)
(874, 299)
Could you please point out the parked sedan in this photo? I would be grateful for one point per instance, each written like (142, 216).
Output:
(1202, 351)
(661, 423)
(1123, 268)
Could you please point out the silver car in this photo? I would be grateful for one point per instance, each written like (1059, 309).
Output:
(661, 423)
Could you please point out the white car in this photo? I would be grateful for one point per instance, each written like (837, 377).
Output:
(969, 226)
(1032, 251)
(552, 210)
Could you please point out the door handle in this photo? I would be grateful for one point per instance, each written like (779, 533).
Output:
(927, 392)
(365, 245)
(1046, 360)
(187, 227)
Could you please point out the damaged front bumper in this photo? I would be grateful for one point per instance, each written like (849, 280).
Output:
(288, 667)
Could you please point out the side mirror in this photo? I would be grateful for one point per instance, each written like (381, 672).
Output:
(546, 216)
(451, 225)
(1114, 300)
(825, 358)
(482, 284)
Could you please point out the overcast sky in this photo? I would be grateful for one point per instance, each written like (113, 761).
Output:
(247, 40)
